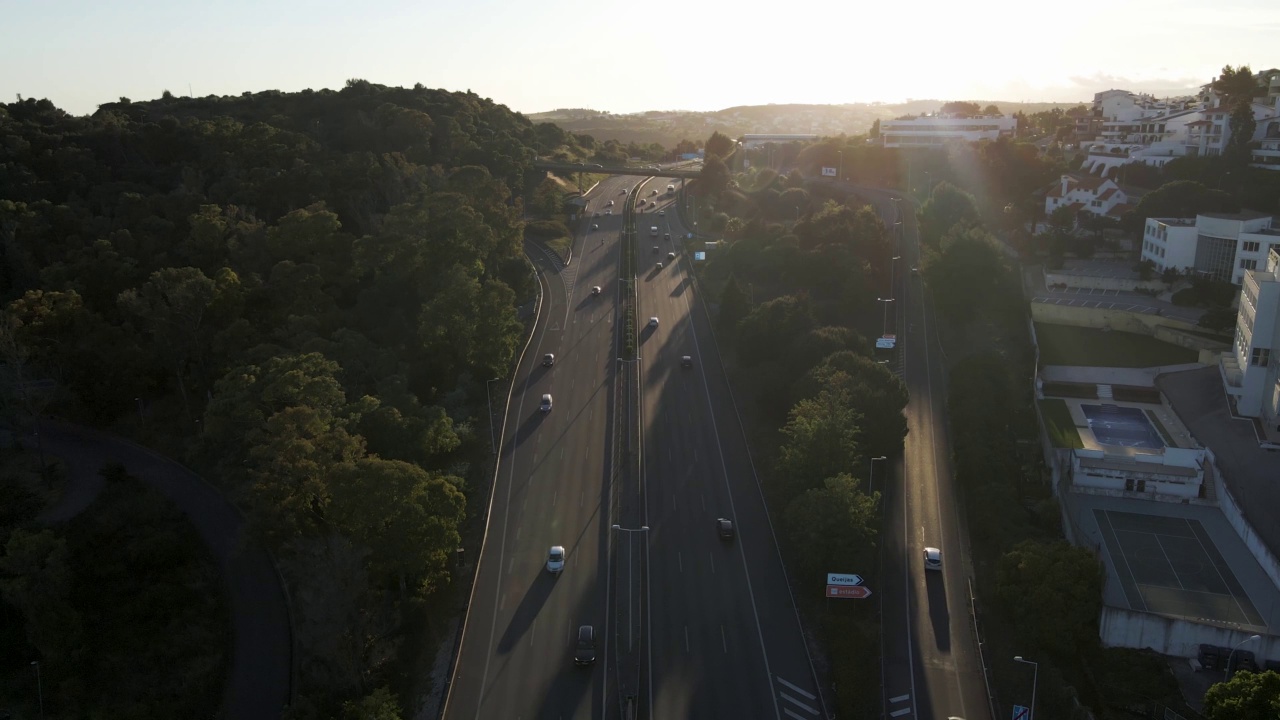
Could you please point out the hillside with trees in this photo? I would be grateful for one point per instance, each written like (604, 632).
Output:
(302, 296)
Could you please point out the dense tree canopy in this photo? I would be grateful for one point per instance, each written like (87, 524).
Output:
(1246, 696)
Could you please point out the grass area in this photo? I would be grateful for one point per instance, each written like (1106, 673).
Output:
(561, 246)
(1060, 426)
(1164, 434)
(1068, 345)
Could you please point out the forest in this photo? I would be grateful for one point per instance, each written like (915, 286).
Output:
(299, 295)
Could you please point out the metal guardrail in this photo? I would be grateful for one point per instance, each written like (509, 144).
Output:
(982, 655)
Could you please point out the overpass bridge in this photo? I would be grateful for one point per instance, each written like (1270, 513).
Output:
(645, 171)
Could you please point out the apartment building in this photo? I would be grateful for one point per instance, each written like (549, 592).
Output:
(940, 130)
(1249, 376)
(1222, 246)
(1096, 195)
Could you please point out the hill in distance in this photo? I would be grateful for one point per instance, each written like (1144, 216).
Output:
(668, 127)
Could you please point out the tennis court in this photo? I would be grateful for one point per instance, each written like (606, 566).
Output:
(1170, 566)
(1121, 426)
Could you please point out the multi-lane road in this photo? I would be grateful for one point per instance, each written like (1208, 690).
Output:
(708, 625)
(717, 635)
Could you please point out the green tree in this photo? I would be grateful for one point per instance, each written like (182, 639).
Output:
(733, 305)
(972, 278)
(36, 578)
(1053, 593)
(835, 524)
(1180, 199)
(714, 177)
(960, 108)
(1218, 319)
(1235, 85)
(874, 392)
(171, 306)
(1242, 126)
(1146, 270)
(719, 146)
(946, 207)
(768, 331)
(820, 441)
(407, 517)
(1246, 696)
(377, 705)
(1063, 219)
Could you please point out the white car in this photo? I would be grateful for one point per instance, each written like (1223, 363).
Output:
(595, 226)
(595, 289)
(671, 256)
(624, 191)
(932, 558)
(653, 321)
(545, 405)
(608, 212)
(662, 213)
(609, 204)
(659, 266)
(555, 559)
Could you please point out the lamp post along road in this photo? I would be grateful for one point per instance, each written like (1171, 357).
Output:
(1231, 669)
(493, 441)
(871, 480)
(1035, 676)
(39, 687)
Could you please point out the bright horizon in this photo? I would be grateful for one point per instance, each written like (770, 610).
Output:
(627, 57)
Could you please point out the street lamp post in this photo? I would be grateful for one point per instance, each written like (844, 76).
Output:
(871, 481)
(840, 172)
(1035, 675)
(493, 441)
(630, 580)
(39, 687)
(1231, 670)
(886, 301)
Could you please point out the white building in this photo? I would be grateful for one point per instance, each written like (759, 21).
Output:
(1177, 472)
(1139, 128)
(1223, 246)
(940, 130)
(1248, 374)
(1096, 195)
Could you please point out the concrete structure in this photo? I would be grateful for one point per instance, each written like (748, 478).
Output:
(1222, 246)
(1173, 472)
(1249, 375)
(940, 130)
(1089, 194)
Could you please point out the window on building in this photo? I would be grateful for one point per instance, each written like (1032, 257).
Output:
(1260, 357)
(1250, 247)
(1249, 264)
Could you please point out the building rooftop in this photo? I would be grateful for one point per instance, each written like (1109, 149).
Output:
(1242, 215)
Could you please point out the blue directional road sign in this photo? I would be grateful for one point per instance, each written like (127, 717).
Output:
(1021, 712)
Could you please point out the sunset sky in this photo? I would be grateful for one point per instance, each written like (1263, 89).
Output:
(630, 56)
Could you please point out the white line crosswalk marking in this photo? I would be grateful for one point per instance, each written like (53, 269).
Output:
(797, 703)
(800, 690)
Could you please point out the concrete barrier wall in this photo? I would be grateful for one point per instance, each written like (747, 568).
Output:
(1231, 509)
(1173, 636)
(1121, 320)
(1177, 337)
(1101, 283)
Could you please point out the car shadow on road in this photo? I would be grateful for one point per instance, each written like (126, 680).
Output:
(527, 611)
(938, 613)
(681, 286)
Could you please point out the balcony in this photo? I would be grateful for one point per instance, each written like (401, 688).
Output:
(1232, 375)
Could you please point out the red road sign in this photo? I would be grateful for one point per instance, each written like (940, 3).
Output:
(848, 591)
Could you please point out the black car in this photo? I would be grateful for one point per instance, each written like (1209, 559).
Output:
(724, 526)
(585, 652)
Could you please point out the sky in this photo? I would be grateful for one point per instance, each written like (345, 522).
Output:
(629, 56)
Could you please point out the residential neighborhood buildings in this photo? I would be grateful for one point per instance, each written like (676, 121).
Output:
(1127, 127)
(1221, 246)
(1100, 196)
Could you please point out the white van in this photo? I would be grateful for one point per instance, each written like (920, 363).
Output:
(653, 230)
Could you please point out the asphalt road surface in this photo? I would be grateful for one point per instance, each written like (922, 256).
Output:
(725, 640)
(931, 665)
(516, 656)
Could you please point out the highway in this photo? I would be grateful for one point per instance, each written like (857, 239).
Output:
(931, 665)
(516, 654)
(725, 641)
